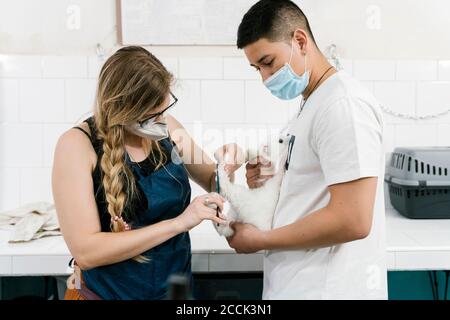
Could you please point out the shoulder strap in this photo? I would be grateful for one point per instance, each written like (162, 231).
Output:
(97, 144)
(85, 132)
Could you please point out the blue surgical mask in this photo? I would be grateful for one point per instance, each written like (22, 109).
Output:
(285, 83)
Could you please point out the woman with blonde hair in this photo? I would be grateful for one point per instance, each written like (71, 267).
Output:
(121, 186)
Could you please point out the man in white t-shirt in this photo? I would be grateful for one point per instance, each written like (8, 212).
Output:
(328, 236)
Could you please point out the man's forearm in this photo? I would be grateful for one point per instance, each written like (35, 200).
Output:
(322, 228)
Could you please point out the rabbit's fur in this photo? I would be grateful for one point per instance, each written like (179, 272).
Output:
(254, 206)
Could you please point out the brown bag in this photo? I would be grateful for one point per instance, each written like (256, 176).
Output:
(76, 288)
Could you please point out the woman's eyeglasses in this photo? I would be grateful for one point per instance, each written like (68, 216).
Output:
(174, 100)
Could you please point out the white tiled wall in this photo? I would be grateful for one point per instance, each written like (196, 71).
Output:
(42, 96)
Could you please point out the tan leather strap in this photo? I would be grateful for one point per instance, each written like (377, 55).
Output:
(75, 282)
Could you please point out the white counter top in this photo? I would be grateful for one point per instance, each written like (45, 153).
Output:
(411, 245)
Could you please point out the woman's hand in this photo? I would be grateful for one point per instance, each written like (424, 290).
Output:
(231, 155)
(201, 208)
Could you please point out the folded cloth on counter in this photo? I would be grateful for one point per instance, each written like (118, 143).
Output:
(32, 221)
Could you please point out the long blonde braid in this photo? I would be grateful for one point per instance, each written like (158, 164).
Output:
(115, 172)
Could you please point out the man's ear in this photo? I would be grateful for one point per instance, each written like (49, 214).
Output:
(301, 38)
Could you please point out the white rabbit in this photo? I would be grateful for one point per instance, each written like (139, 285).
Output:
(254, 206)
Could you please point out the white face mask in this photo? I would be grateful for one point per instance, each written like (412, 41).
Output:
(150, 129)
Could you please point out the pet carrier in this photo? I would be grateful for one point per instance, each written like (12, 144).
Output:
(419, 182)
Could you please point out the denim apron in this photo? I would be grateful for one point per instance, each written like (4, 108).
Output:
(165, 194)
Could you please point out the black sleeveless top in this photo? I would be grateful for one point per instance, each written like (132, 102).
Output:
(138, 204)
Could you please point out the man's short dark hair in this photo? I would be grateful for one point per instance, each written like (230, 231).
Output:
(275, 20)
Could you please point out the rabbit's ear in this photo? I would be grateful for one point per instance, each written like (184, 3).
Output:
(223, 177)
